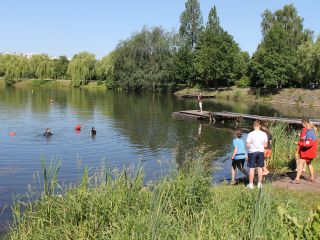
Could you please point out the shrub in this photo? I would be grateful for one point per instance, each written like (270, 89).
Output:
(244, 82)
(8, 80)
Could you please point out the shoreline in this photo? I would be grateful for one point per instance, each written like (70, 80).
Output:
(287, 96)
(293, 96)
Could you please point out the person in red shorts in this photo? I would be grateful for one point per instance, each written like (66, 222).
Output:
(267, 150)
(308, 151)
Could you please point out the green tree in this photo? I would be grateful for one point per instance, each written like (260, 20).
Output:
(308, 63)
(14, 65)
(141, 62)
(288, 19)
(273, 64)
(81, 68)
(218, 57)
(40, 66)
(105, 69)
(60, 67)
(191, 23)
(182, 68)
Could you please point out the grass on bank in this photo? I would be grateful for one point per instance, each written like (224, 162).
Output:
(48, 83)
(184, 205)
(283, 149)
(292, 96)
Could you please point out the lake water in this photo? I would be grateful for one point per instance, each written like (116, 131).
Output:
(131, 128)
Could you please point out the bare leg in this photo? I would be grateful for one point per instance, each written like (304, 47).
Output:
(259, 175)
(304, 166)
(233, 174)
(265, 169)
(244, 171)
(300, 166)
(311, 171)
(251, 175)
(200, 105)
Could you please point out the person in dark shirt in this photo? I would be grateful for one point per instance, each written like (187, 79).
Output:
(93, 131)
(47, 133)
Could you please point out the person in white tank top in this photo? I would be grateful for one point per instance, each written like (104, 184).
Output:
(257, 140)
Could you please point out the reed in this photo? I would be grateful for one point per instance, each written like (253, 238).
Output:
(283, 147)
(185, 205)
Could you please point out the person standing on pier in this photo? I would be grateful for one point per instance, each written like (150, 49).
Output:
(200, 101)
(257, 141)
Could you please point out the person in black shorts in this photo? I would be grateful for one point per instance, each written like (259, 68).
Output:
(238, 157)
(257, 141)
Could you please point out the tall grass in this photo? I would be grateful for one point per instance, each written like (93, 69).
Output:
(283, 147)
(118, 205)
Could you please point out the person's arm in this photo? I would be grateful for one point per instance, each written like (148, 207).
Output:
(307, 143)
(234, 152)
(265, 141)
(248, 142)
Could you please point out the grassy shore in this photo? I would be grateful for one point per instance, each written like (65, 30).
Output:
(184, 205)
(36, 83)
(292, 96)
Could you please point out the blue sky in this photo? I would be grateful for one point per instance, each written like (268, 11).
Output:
(66, 27)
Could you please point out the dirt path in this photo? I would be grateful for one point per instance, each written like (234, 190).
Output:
(307, 186)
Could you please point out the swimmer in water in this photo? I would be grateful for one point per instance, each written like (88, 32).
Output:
(93, 131)
(48, 133)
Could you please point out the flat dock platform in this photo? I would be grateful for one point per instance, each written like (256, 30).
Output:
(208, 116)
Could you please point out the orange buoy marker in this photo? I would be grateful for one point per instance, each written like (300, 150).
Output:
(77, 127)
(12, 134)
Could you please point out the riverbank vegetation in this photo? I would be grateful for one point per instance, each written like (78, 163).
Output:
(291, 96)
(185, 205)
(199, 54)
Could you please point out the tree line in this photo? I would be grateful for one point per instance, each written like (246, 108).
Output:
(199, 54)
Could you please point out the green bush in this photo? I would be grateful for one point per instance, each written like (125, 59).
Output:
(244, 82)
(8, 80)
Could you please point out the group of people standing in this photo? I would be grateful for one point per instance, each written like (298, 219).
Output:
(259, 151)
(258, 144)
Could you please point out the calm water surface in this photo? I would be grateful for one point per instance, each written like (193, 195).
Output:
(131, 129)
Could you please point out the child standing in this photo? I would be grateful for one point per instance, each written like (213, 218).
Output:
(267, 150)
(239, 156)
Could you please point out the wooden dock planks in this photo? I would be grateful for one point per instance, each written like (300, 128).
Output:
(205, 116)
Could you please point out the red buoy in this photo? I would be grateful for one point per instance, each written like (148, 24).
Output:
(77, 127)
(12, 134)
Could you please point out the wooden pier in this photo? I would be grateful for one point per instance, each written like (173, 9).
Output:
(207, 116)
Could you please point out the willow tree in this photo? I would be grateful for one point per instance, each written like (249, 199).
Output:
(40, 66)
(308, 63)
(14, 65)
(81, 68)
(105, 69)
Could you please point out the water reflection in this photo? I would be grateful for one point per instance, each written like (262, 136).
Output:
(132, 128)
